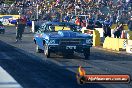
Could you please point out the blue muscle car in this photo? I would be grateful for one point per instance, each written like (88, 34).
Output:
(62, 37)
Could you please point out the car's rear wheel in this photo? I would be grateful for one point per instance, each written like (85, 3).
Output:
(46, 51)
(38, 50)
(86, 53)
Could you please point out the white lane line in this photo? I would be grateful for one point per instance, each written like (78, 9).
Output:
(6, 80)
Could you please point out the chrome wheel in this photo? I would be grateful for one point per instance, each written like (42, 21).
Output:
(46, 51)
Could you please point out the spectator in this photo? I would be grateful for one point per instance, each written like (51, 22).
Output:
(38, 24)
(123, 18)
(48, 17)
(67, 18)
(77, 21)
(114, 18)
(21, 23)
(118, 30)
(129, 23)
(106, 29)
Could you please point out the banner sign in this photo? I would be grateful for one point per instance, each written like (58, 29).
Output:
(83, 78)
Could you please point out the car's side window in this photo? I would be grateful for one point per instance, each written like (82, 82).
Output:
(46, 28)
(39, 31)
(42, 28)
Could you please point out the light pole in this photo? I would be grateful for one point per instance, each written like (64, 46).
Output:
(37, 12)
(75, 8)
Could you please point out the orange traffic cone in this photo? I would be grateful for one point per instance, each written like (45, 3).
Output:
(123, 35)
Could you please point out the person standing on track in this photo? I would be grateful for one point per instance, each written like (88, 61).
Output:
(21, 23)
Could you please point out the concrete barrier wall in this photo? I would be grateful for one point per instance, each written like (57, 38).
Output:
(129, 35)
(129, 49)
(96, 38)
(114, 43)
(100, 31)
(129, 46)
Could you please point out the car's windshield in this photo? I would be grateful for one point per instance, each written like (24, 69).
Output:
(55, 27)
(58, 27)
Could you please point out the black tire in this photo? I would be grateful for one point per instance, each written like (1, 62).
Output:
(38, 50)
(3, 32)
(46, 51)
(81, 80)
(86, 53)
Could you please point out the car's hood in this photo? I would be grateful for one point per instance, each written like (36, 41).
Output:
(67, 34)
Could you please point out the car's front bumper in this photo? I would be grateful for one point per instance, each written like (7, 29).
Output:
(68, 48)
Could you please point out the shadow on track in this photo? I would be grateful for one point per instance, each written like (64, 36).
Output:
(31, 71)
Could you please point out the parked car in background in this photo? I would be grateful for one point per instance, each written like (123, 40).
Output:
(53, 37)
(29, 23)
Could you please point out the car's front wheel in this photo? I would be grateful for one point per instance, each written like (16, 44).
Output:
(86, 53)
(38, 50)
(46, 51)
(81, 80)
